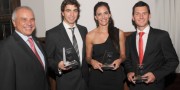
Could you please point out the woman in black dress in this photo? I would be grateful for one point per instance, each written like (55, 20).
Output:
(105, 51)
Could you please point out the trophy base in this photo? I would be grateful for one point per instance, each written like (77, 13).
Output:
(141, 80)
(138, 79)
(107, 67)
(71, 65)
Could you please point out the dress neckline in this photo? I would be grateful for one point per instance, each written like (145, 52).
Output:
(103, 42)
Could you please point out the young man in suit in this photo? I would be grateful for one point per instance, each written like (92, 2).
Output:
(23, 64)
(153, 52)
(61, 37)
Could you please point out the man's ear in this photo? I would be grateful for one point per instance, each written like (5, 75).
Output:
(132, 18)
(62, 14)
(149, 16)
(13, 21)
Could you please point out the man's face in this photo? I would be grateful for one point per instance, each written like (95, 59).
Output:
(24, 21)
(141, 17)
(70, 14)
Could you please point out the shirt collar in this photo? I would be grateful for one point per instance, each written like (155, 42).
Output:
(24, 37)
(67, 26)
(146, 30)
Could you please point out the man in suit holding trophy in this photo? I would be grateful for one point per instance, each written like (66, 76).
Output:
(67, 40)
(150, 53)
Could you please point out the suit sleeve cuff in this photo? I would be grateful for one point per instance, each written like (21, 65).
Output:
(60, 72)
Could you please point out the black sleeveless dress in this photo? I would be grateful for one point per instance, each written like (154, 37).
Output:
(110, 79)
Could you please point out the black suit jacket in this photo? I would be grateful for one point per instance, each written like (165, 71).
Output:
(160, 58)
(56, 39)
(19, 67)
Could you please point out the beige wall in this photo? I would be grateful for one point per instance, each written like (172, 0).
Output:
(47, 13)
(38, 8)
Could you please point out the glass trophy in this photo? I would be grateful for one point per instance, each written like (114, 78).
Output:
(138, 74)
(68, 59)
(107, 61)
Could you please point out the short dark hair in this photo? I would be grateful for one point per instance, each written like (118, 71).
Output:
(141, 4)
(71, 2)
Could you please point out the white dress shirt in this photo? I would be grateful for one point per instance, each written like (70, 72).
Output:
(78, 38)
(144, 37)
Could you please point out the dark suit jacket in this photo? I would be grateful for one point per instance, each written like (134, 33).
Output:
(56, 39)
(160, 58)
(19, 67)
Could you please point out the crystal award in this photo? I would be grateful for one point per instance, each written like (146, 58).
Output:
(68, 58)
(107, 61)
(138, 74)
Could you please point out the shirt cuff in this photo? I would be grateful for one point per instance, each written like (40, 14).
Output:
(60, 72)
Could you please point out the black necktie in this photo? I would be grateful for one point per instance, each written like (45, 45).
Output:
(74, 41)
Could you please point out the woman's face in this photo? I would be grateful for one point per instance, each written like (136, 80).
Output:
(102, 16)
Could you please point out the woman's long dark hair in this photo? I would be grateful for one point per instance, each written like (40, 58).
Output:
(112, 30)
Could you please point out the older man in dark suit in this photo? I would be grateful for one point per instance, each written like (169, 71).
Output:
(23, 64)
(62, 36)
(150, 53)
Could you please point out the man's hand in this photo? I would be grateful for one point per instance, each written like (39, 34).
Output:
(150, 77)
(61, 66)
(130, 76)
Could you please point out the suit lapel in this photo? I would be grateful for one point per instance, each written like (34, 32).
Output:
(64, 35)
(148, 44)
(25, 47)
(134, 47)
(81, 33)
(83, 39)
(41, 49)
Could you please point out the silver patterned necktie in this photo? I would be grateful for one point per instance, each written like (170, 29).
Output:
(74, 41)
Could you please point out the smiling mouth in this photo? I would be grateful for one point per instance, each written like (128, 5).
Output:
(28, 28)
(103, 20)
(141, 21)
